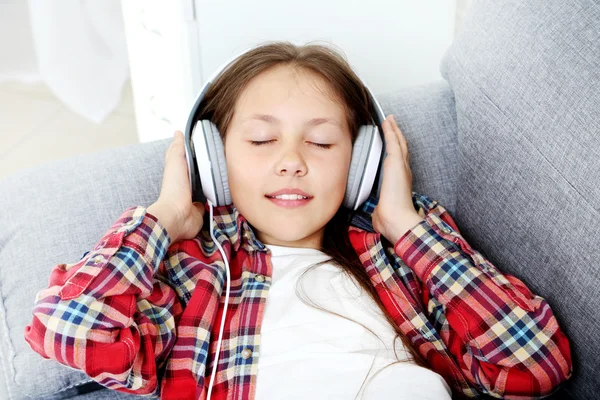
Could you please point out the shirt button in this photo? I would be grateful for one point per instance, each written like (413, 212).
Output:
(125, 226)
(260, 278)
(98, 259)
(446, 229)
(246, 353)
(425, 332)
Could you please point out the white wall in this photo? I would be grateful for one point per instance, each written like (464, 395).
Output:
(173, 46)
(390, 44)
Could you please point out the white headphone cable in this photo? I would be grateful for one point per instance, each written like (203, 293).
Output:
(210, 205)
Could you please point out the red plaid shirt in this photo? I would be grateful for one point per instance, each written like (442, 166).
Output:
(140, 314)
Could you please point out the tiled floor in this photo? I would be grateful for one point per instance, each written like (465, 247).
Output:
(36, 127)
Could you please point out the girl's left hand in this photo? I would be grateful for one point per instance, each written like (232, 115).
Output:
(395, 212)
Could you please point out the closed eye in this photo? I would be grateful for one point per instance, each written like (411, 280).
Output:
(260, 143)
(322, 145)
(257, 143)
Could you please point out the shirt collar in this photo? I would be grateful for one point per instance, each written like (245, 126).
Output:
(236, 227)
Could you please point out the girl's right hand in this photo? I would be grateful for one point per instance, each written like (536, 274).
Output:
(174, 208)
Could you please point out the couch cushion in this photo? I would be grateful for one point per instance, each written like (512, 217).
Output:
(526, 80)
(52, 214)
(56, 212)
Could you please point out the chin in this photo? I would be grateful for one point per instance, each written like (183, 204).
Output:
(284, 231)
(285, 235)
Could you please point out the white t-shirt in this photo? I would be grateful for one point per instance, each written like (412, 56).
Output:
(306, 353)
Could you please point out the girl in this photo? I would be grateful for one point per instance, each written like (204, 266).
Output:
(140, 313)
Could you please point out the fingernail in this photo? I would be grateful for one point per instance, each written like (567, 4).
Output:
(393, 118)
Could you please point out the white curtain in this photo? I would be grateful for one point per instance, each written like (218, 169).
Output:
(77, 47)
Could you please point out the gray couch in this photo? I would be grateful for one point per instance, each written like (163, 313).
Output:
(508, 142)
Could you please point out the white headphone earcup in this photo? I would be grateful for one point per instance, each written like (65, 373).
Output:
(216, 154)
(356, 173)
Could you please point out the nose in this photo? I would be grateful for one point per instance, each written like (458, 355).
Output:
(291, 163)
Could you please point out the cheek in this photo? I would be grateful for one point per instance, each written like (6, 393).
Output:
(341, 168)
(242, 174)
(332, 178)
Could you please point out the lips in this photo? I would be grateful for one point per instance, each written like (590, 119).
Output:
(293, 203)
(289, 191)
(289, 198)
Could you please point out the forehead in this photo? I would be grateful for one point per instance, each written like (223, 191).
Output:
(283, 88)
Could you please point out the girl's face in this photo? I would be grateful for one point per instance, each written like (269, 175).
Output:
(292, 111)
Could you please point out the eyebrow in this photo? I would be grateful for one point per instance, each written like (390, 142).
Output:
(313, 122)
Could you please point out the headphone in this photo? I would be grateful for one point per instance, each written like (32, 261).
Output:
(207, 168)
(207, 171)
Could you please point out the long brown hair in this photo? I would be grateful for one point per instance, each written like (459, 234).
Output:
(218, 106)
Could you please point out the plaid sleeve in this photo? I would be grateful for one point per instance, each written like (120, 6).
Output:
(505, 339)
(108, 314)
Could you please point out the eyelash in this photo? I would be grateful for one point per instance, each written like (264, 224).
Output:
(255, 143)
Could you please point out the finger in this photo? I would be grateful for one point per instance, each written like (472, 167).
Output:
(171, 145)
(392, 145)
(401, 139)
(177, 136)
(177, 147)
(397, 130)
